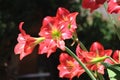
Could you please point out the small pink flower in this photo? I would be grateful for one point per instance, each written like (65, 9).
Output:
(25, 43)
(69, 67)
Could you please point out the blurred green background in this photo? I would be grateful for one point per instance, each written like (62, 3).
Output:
(91, 27)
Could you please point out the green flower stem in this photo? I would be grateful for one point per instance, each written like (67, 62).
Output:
(82, 46)
(81, 63)
(98, 59)
(38, 40)
(100, 76)
(75, 38)
(112, 59)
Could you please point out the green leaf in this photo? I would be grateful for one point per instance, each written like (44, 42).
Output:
(113, 71)
(111, 74)
(115, 67)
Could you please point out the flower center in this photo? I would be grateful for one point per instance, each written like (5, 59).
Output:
(70, 65)
(69, 26)
(56, 34)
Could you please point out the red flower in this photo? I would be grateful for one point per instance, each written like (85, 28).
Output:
(116, 56)
(56, 30)
(69, 67)
(113, 6)
(67, 18)
(51, 29)
(92, 4)
(25, 43)
(97, 55)
(55, 34)
(99, 49)
(94, 57)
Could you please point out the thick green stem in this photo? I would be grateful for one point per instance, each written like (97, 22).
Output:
(81, 63)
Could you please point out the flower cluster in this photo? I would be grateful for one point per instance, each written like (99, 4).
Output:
(92, 59)
(53, 33)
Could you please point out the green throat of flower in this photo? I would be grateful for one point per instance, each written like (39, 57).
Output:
(56, 34)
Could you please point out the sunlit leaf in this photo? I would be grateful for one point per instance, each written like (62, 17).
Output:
(111, 74)
(113, 71)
